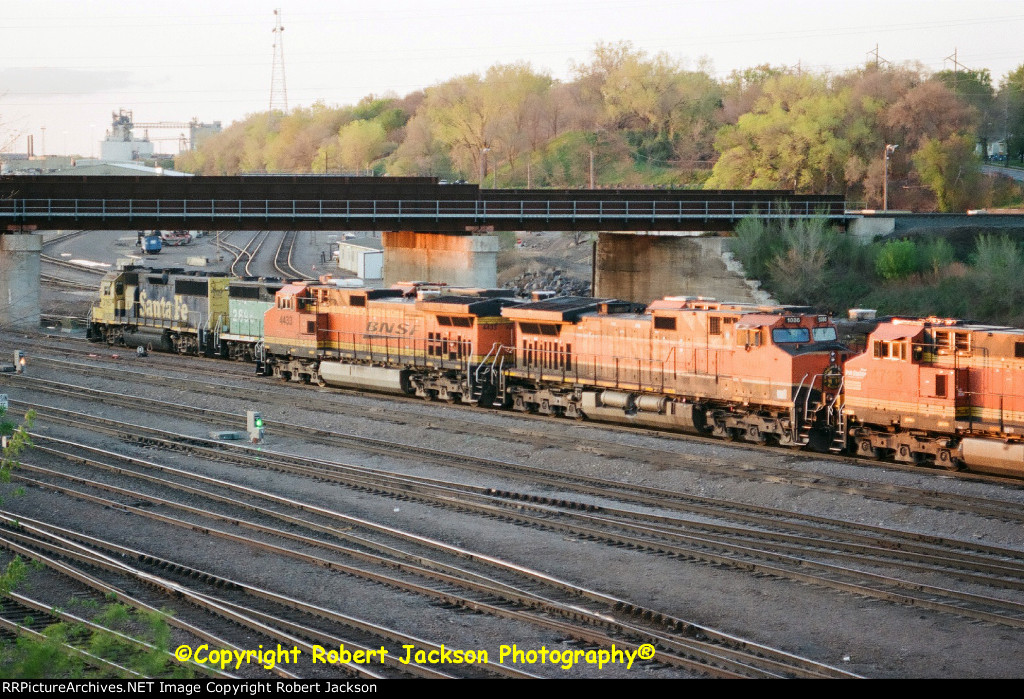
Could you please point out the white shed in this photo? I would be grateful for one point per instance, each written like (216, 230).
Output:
(364, 257)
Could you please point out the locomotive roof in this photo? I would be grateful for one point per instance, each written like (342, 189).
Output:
(559, 308)
(896, 331)
(757, 320)
(475, 305)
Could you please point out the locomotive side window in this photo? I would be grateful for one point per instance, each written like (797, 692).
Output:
(949, 340)
(962, 342)
(940, 386)
(357, 301)
(664, 323)
(714, 325)
(890, 350)
(462, 322)
(310, 327)
(444, 320)
(1018, 350)
(748, 338)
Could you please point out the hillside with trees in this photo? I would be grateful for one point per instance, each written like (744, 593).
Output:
(633, 119)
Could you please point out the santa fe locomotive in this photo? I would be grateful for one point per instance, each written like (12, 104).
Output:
(928, 391)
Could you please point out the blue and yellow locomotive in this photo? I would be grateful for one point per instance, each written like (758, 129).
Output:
(189, 312)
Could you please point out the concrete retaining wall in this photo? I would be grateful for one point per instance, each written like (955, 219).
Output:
(642, 268)
(458, 260)
(19, 280)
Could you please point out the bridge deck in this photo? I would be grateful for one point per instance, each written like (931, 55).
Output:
(379, 203)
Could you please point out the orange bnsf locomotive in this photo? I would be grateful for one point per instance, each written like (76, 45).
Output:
(939, 391)
(757, 373)
(432, 343)
(764, 374)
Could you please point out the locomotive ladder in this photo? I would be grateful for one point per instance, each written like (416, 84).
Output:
(486, 372)
(798, 421)
(837, 418)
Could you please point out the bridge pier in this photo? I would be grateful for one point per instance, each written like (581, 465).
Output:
(644, 267)
(19, 280)
(457, 260)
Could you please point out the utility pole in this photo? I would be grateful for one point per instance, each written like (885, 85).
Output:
(878, 59)
(889, 150)
(278, 87)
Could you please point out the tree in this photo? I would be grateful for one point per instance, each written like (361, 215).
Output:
(421, 153)
(950, 169)
(1011, 107)
(18, 441)
(797, 137)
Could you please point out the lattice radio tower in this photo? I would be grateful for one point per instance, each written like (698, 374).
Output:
(278, 87)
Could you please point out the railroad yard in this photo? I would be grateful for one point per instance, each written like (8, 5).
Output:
(374, 522)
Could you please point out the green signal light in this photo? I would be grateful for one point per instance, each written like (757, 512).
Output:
(259, 422)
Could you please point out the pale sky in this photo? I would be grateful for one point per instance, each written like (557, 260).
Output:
(67, 64)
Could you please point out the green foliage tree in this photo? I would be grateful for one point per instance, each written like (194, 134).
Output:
(18, 441)
(1011, 106)
(797, 136)
(802, 272)
(998, 276)
(651, 120)
(973, 87)
(896, 260)
(951, 170)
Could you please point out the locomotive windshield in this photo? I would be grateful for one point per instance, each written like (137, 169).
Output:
(824, 334)
(783, 335)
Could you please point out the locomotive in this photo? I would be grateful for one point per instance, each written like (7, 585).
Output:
(927, 391)
(942, 391)
(172, 310)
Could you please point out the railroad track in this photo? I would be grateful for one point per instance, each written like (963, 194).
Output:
(283, 257)
(242, 265)
(826, 548)
(680, 644)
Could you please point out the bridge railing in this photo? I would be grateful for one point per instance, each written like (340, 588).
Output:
(370, 210)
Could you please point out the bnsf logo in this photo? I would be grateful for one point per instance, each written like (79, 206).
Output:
(374, 326)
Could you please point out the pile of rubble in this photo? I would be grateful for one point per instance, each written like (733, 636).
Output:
(551, 279)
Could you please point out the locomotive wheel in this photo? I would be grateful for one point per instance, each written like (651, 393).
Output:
(865, 449)
(946, 460)
(756, 436)
(786, 440)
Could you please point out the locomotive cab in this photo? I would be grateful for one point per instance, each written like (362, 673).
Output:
(899, 401)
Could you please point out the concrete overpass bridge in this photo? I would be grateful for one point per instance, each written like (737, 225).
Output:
(432, 230)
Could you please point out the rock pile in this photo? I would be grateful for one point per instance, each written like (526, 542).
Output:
(551, 279)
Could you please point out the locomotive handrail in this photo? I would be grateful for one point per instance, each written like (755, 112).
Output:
(839, 391)
(494, 347)
(795, 427)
